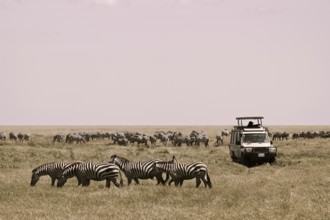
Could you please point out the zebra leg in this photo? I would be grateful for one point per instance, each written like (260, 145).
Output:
(53, 181)
(198, 182)
(208, 180)
(167, 177)
(79, 181)
(136, 181)
(205, 182)
(160, 179)
(107, 184)
(115, 182)
(84, 182)
(171, 180)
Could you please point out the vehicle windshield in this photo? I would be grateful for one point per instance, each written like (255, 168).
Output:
(255, 138)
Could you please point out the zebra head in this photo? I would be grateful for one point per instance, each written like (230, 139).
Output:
(61, 181)
(113, 158)
(35, 177)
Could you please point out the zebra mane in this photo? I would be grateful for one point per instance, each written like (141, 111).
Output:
(174, 160)
(121, 158)
(37, 168)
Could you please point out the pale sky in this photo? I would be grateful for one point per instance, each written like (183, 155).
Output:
(164, 62)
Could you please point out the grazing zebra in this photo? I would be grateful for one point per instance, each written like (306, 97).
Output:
(69, 172)
(92, 171)
(138, 170)
(181, 171)
(53, 169)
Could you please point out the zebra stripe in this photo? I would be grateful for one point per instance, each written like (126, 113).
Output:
(69, 172)
(180, 172)
(92, 171)
(53, 169)
(138, 170)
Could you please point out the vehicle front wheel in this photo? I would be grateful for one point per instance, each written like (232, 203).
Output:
(272, 160)
(232, 155)
(245, 161)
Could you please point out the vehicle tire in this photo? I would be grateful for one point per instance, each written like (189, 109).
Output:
(272, 160)
(245, 161)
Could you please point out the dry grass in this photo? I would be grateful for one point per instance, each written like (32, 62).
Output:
(297, 187)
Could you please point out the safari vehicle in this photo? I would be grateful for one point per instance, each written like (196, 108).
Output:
(250, 142)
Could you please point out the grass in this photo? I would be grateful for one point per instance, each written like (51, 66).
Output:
(296, 187)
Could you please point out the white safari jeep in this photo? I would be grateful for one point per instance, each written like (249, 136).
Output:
(250, 143)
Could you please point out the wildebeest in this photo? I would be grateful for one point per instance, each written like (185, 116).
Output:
(153, 140)
(3, 136)
(58, 138)
(115, 136)
(219, 140)
(122, 141)
(73, 137)
(200, 137)
(142, 139)
(162, 136)
(280, 136)
(12, 136)
(23, 137)
(225, 133)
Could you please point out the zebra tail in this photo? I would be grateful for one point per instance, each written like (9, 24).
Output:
(209, 180)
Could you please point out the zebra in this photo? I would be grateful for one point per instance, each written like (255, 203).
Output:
(53, 169)
(138, 170)
(92, 171)
(180, 172)
(69, 172)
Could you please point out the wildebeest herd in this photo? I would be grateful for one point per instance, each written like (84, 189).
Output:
(297, 135)
(176, 138)
(126, 138)
(15, 137)
(133, 170)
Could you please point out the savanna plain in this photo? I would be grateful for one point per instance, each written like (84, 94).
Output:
(296, 186)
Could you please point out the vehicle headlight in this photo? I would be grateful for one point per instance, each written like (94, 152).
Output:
(248, 149)
(272, 150)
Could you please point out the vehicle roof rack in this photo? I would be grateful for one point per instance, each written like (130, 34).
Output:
(252, 117)
(258, 118)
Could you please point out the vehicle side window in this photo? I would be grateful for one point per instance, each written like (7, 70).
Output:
(238, 137)
(233, 138)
